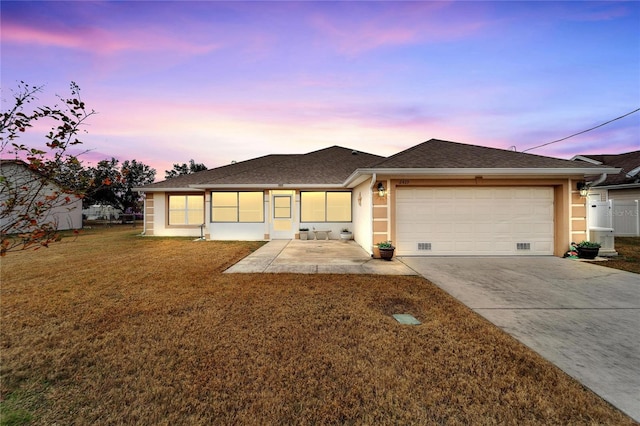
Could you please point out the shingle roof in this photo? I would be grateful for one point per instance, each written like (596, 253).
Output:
(628, 162)
(439, 154)
(326, 166)
(334, 165)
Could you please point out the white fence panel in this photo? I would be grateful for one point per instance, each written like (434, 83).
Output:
(600, 214)
(626, 218)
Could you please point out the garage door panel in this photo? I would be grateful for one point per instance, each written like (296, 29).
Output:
(502, 227)
(480, 221)
(502, 246)
(502, 194)
(462, 229)
(543, 246)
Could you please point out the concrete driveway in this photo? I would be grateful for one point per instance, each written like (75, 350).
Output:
(583, 318)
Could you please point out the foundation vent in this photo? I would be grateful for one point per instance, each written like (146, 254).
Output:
(424, 246)
(523, 246)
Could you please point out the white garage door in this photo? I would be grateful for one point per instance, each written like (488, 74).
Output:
(474, 221)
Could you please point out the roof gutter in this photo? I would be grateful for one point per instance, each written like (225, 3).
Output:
(480, 172)
(181, 189)
(619, 186)
(267, 186)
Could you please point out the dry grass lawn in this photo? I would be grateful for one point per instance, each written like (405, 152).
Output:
(628, 258)
(118, 329)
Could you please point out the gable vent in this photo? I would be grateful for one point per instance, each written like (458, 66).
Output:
(523, 246)
(424, 246)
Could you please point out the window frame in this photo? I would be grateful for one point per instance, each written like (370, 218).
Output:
(237, 206)
(185, 210)
(325, 207)
(289, 207)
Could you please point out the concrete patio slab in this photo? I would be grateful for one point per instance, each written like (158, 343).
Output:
(317, 257)
(584, 318)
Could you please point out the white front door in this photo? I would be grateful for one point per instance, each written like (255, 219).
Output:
(282, 215)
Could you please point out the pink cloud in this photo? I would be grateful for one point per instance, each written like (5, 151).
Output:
(357, 31)
(101, 41)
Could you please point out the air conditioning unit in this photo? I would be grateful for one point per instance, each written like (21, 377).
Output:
(604, 236)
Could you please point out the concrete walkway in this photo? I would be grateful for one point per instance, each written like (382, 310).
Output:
(317, 257)
(583, 318)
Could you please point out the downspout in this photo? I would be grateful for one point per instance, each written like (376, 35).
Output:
(598, 181)
(144, 214)
(374, 178)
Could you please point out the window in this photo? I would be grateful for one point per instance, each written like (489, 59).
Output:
(282, 207)
(325, 206)
(338, 207)
(237, 207)
(186, 209)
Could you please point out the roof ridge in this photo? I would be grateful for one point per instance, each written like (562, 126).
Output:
(342, 148)
(257, 167)
(438, 153)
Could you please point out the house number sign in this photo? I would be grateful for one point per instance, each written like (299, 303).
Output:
(404, 181)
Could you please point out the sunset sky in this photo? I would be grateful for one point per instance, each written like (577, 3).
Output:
(224, 81)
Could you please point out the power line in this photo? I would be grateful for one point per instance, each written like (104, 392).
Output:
(584, 131)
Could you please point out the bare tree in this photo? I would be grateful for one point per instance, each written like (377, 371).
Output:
(36, 183)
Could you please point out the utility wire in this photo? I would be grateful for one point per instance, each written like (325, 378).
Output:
(584, 131)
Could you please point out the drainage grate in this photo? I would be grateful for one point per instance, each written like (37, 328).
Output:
(523, 246)
(424, 246)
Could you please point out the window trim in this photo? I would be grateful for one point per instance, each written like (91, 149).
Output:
(290, 207)
(237, 207)
(325, 208)
(184, 194)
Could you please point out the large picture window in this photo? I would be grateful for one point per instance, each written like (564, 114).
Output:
(237, 207)
(186, 209)
(324, 206)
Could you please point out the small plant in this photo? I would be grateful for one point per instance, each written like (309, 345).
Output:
(346, 230)
(589, 244)
(304, 229)
(385, 245)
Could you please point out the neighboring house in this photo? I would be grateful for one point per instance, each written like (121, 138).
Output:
(18, 178)
(614, 197)
(436, 198)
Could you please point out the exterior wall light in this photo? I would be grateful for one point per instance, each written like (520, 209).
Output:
(381, 190)
(583, 188)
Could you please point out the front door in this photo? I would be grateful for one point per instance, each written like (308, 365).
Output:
(282, 215)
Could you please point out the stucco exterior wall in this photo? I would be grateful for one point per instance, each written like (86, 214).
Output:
(236, 231)
(577, 214)
(149, 214)
(362, 216)
(381, 212)
(156, 218)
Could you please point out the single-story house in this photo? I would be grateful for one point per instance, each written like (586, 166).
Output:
(24, 186)
(436, 198)
(613, 199)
